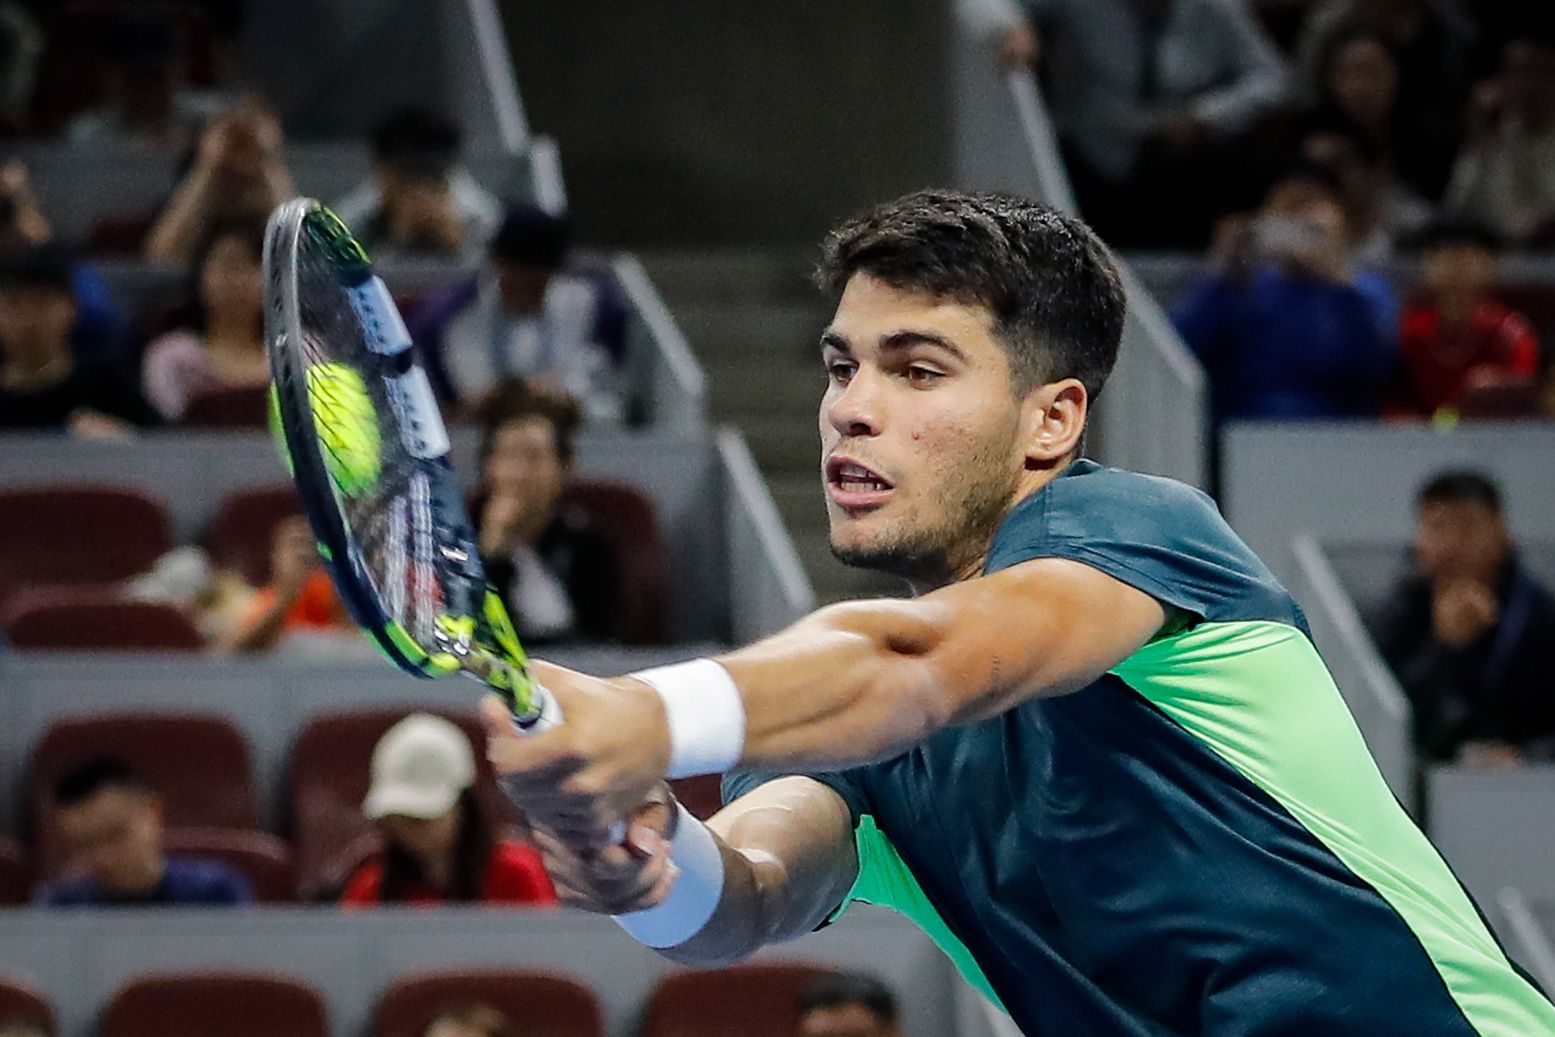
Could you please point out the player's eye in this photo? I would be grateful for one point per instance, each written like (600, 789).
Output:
(840, 371)
(920, 375)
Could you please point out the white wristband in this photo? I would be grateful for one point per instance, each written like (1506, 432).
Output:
(694, 896)
(706, 716)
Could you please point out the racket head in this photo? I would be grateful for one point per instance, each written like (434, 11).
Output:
(369, 454)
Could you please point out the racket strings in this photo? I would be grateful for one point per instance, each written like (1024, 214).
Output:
(393, 521)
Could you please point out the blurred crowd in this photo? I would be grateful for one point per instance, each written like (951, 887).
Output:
(1356, 170)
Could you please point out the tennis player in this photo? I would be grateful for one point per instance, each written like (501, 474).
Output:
(1096, 757)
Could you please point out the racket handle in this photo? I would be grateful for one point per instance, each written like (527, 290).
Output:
(548, 716)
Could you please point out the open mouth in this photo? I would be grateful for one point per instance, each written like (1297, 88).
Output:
(852, 484)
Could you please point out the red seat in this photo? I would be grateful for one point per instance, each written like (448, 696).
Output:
(750, 1000)
(626, 517)
(235, 408)
(330, 764)
(198, 1004)
(15, 878)
(21, 1001)
(258, 856)
(242, 533)
(198, 763)
(540, 1005)
(78, 534)
(96, 619)
(702, 795)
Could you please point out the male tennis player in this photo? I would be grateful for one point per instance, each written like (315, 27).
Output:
(1096, 757)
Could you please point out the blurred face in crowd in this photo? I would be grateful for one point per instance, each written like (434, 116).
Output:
(525, 467)
(1302, 222)
(231, 282)
(921, 425)
(1363, 81)
(453, 1028)
(1461, 540)
(428, 839)
(523, 286)
(35, 320)
(849, 1020)
(1460, 267)
(1528, 80)
(116, 837)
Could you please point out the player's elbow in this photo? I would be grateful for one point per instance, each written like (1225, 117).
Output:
(903, 694)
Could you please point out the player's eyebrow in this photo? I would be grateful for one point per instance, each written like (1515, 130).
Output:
(895, 341)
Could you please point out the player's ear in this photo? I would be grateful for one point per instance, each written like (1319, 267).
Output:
(1053, 418)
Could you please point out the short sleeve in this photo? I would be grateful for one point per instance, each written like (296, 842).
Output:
(847, 784)
(1157, 535)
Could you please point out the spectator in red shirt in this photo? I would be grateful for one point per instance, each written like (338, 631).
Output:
(437, 846)
(1457, 341)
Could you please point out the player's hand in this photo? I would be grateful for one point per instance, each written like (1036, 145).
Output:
(605, 758)
(630, 877)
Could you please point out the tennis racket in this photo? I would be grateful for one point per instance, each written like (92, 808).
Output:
(370, 455)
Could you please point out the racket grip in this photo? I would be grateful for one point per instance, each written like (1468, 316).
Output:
(548, 716)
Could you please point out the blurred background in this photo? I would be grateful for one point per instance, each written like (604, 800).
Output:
(1336, 219)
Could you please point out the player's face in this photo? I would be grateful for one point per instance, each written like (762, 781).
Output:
(921, 449)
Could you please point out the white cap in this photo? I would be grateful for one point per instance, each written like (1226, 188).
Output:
(420, 766)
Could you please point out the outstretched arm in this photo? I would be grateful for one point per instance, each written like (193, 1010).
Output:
(849, 684)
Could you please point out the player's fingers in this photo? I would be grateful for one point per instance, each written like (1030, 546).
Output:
(496, 719)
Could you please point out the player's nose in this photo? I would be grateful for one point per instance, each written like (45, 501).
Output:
(859, 409)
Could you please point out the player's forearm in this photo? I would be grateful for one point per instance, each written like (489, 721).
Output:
(850, 684)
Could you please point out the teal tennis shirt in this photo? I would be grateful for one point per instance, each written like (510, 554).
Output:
(1198, 842)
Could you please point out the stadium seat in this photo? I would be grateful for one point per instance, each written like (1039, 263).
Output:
(19, 1000)
(541, 1005)
(199, 763)
(750, 1000)
(15, 879)
(236, 408)
(81, 534)
(95, 619)
(260, 857)
(626, 516)
(702, 795)
(242, 533)
(199, 1004)
(330, 762)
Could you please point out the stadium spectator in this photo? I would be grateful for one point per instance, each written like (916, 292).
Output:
(1149, 98)
(218, 338)
(848, 1004)
(1430, 42)
(238, 172)
(1380, 210)
(1456, 340)
(1505, 176)
(25, 1026)
(110, 823)
(1469, 633)
(23, 225)
(438, 848)
(468, 1020)
(421, 201)
(559, 576)
(44, 383)
(147, 101)
(21, 45)
(525, 317)
(1360, 94)
(299, 607)
(1286, 327)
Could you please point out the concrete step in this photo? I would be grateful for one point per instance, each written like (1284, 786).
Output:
(773, 332)
(751, 386)
(783, 445)
(834, 581)
(731, 274)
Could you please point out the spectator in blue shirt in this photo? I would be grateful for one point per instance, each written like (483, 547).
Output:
(110, 823)
(1286, 327)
